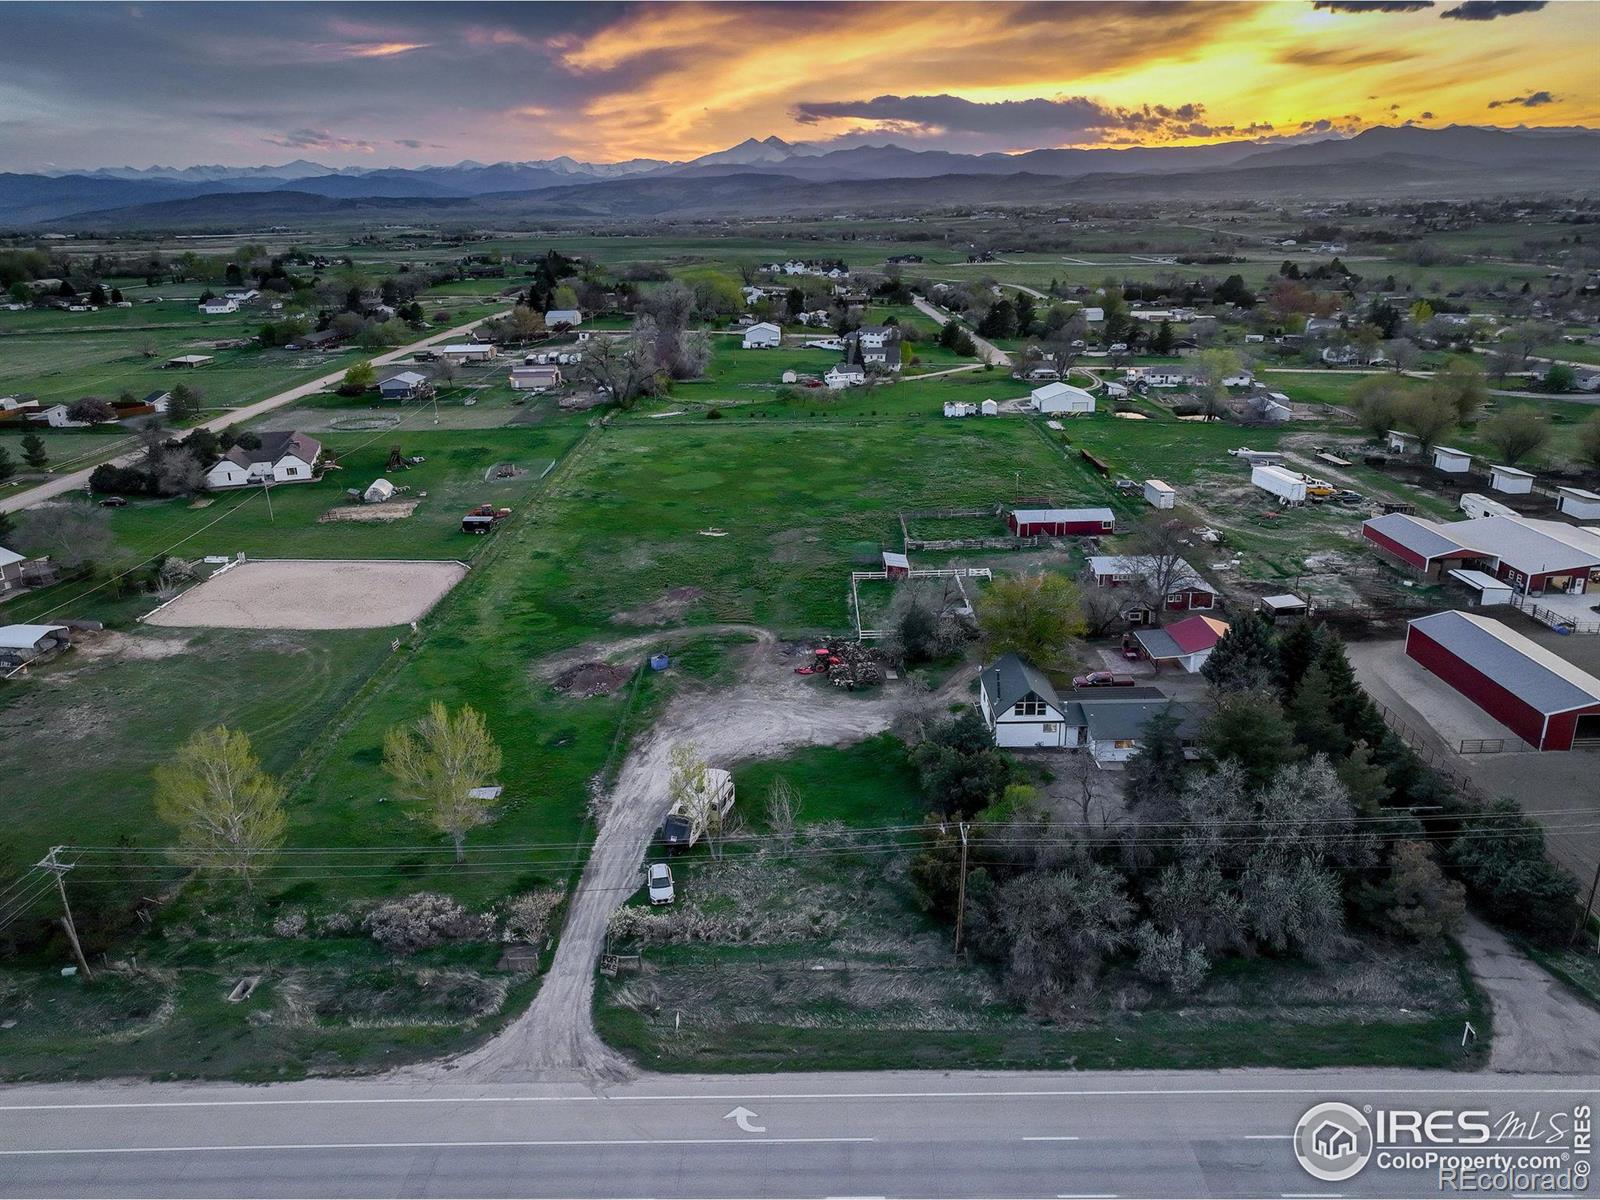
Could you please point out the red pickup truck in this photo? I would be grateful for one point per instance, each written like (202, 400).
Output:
(1102, 679)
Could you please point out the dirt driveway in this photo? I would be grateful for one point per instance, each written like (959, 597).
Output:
(769, 712)
(1539, 1025)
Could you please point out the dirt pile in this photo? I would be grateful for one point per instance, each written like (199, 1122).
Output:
(591, 679)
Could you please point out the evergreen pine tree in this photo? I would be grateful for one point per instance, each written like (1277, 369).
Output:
(1311, 711)
(1250, 729)
(1154, 777)
(1245, 658)
(1365, 780)
(1297, 649)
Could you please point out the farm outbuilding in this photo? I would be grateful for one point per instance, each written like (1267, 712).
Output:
(896, 565)
(377, 492)
(1511, 481)
(1576, 502)
(1542, 698)
(1283, 606)
(27, 642)
(990, 408)
(1061, 398)
(1451, 461)
(1400, 442)
(1485, 588)
(1061, 522)
(1423, 546)
(763, 336)
(1188, 642)
(407, 385)
(190, 360)
(1159, 494)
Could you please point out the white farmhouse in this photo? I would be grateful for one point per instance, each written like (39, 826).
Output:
(280, 458)
(219, 306)
(1021, 706)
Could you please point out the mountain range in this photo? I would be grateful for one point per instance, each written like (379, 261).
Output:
(772, 175)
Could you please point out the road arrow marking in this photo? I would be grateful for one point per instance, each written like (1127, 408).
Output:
(741, 1117)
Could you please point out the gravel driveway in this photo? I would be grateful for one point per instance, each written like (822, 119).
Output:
(1539, 1024)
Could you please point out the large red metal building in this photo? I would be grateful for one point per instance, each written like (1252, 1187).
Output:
(1542, 698)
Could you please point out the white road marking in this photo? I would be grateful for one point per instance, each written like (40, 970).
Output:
(1312, 1195)
(245, 1149)
(1048, 1138)
(736, 1096)
(1086, 1196)
(1266, 1137)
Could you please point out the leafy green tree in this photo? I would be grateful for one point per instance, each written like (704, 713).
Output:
(228, 813)
(1428, 415)
(183, 402)
(1376, 402)
(919, 634)
(1500, 856)
(1244, 659)
(961, 771)
(1463, 386)
(1589, 440)
(1516, 433)
(34, 453)
(1559, 377)
(1036, 616)
(1249, 728)
(359, 378)
(438, 763)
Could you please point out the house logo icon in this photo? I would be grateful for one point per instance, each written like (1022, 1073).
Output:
(1333, 1141)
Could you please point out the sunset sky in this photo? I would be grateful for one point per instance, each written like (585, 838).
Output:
(84, 85)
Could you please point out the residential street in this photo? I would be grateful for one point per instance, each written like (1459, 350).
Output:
(987, 350)
(935, 1135)
(76, 480)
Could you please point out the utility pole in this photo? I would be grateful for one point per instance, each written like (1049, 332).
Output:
(1588, 906)
(59, 869)
(961, 897)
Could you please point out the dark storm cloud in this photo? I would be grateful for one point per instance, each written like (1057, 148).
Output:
(1058, 118)
(1532, 100)
(1488, 10)
(1373, 6)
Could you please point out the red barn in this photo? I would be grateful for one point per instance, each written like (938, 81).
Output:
(1542, 698)
(1061, 522)
(895, 565)
(1426, 547)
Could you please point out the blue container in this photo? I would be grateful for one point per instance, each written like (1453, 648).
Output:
(659, 662)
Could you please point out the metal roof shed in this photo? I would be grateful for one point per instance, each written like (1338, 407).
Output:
(1511, 480)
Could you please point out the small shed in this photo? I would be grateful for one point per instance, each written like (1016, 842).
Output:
(377, 492)
(1486, 589)
(190, 360)
(1510, 480)
(1451, 460)
(1283, 606)
(1576, 502)
(30, 641)
(1159, 494)
(991, 408)
(1400, 442)
(896, 566)
(789, 377)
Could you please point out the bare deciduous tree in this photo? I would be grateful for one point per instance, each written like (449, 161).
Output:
(783, 812)
(1158, 548)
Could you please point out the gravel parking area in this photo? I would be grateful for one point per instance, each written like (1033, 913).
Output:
(313, 594)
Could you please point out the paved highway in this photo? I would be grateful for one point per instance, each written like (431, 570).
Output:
(889, 1135)
(75, 481)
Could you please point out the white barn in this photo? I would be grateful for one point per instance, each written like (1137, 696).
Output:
(1061, 398)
